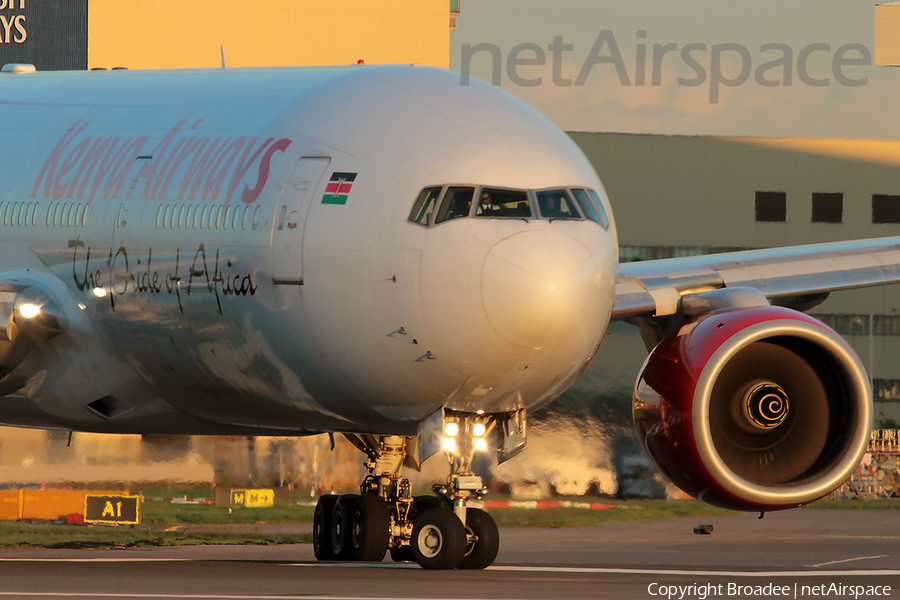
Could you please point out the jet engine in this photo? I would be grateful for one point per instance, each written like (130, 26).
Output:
(754, 409)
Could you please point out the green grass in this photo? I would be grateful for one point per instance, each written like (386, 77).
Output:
(158, 512)
(879, 504)
(164, 523)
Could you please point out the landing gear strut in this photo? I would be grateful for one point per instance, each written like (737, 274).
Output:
(438, 532)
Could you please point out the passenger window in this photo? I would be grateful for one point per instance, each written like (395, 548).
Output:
(167, 217)
(246, 220)
(424, 206)
(604, 220)
(281, 218)
(189, 218)
(494, 202)
(556, 204)
(457, 203)
(49, 214)
(15, 211)
(204, 215)
(236, 220)
(257, 212)
(587, 207)
(227, 221)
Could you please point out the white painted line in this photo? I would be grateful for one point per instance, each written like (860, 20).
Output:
(846, 560)
(601, 570)
(95, 560)
(611, 571)
(202, 597)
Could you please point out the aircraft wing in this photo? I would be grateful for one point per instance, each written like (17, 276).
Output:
(800, 276)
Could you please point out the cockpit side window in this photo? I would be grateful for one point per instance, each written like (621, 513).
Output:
(588, 208)
(556, 204)
(423, 209)
(494, 202)
(604, 220)
(457, 203)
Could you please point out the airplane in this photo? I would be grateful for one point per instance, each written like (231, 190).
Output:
(418, 265)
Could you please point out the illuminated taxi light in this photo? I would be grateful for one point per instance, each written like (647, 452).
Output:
(478, 429)
(99, 292)
(481, 444)
(449, 444)
(451, 429)
(29, 311)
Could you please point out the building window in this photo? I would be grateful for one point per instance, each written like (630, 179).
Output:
(827, 207)
(771, 207)
(885, 208)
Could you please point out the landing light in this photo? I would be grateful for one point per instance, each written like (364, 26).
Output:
(451, 429)
(449, 445)
(29, 311)
(99, 292)
(478, 429)
(480, 444)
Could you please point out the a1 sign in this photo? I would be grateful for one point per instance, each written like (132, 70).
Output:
(116, 510)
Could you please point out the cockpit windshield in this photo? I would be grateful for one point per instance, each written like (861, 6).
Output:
(424, 206)
(556, 204)
(497, 202)
(438, 204)
(457, 203)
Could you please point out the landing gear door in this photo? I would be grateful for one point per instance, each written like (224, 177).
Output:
(290, 219)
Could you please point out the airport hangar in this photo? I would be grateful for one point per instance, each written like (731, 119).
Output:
(176, 34)
(672, 195)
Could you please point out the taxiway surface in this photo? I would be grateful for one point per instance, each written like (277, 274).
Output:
(799, 554)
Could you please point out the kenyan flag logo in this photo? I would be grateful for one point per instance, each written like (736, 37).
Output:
(338, 188)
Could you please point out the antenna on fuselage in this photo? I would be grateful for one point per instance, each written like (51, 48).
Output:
(222, 50)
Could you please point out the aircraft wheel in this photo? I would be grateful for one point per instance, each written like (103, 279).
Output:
(438, 540)
(340, 526)
(322, 527)
(370, 528)
(481, 553)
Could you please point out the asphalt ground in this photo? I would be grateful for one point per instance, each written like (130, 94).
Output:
(797, 554)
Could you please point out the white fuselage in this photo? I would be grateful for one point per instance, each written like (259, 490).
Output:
(234, 255)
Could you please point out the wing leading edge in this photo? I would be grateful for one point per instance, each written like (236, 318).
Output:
(799, 276)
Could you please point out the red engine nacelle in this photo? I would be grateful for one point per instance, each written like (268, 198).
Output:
(754, 409)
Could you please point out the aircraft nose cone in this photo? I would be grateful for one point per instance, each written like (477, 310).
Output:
(541, 289)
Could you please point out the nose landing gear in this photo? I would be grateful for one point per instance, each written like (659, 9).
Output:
(437, 532)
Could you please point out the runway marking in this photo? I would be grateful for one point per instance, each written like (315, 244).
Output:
(96, 560)
(608, 571)
(204, 596)
(846, 560)
(614, 571)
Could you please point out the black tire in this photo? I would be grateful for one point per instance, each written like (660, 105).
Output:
(422, 503)
(369, 528)
(340, 526)
(481, 553)
(322, 527)
(402, 554)
(438, 540)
